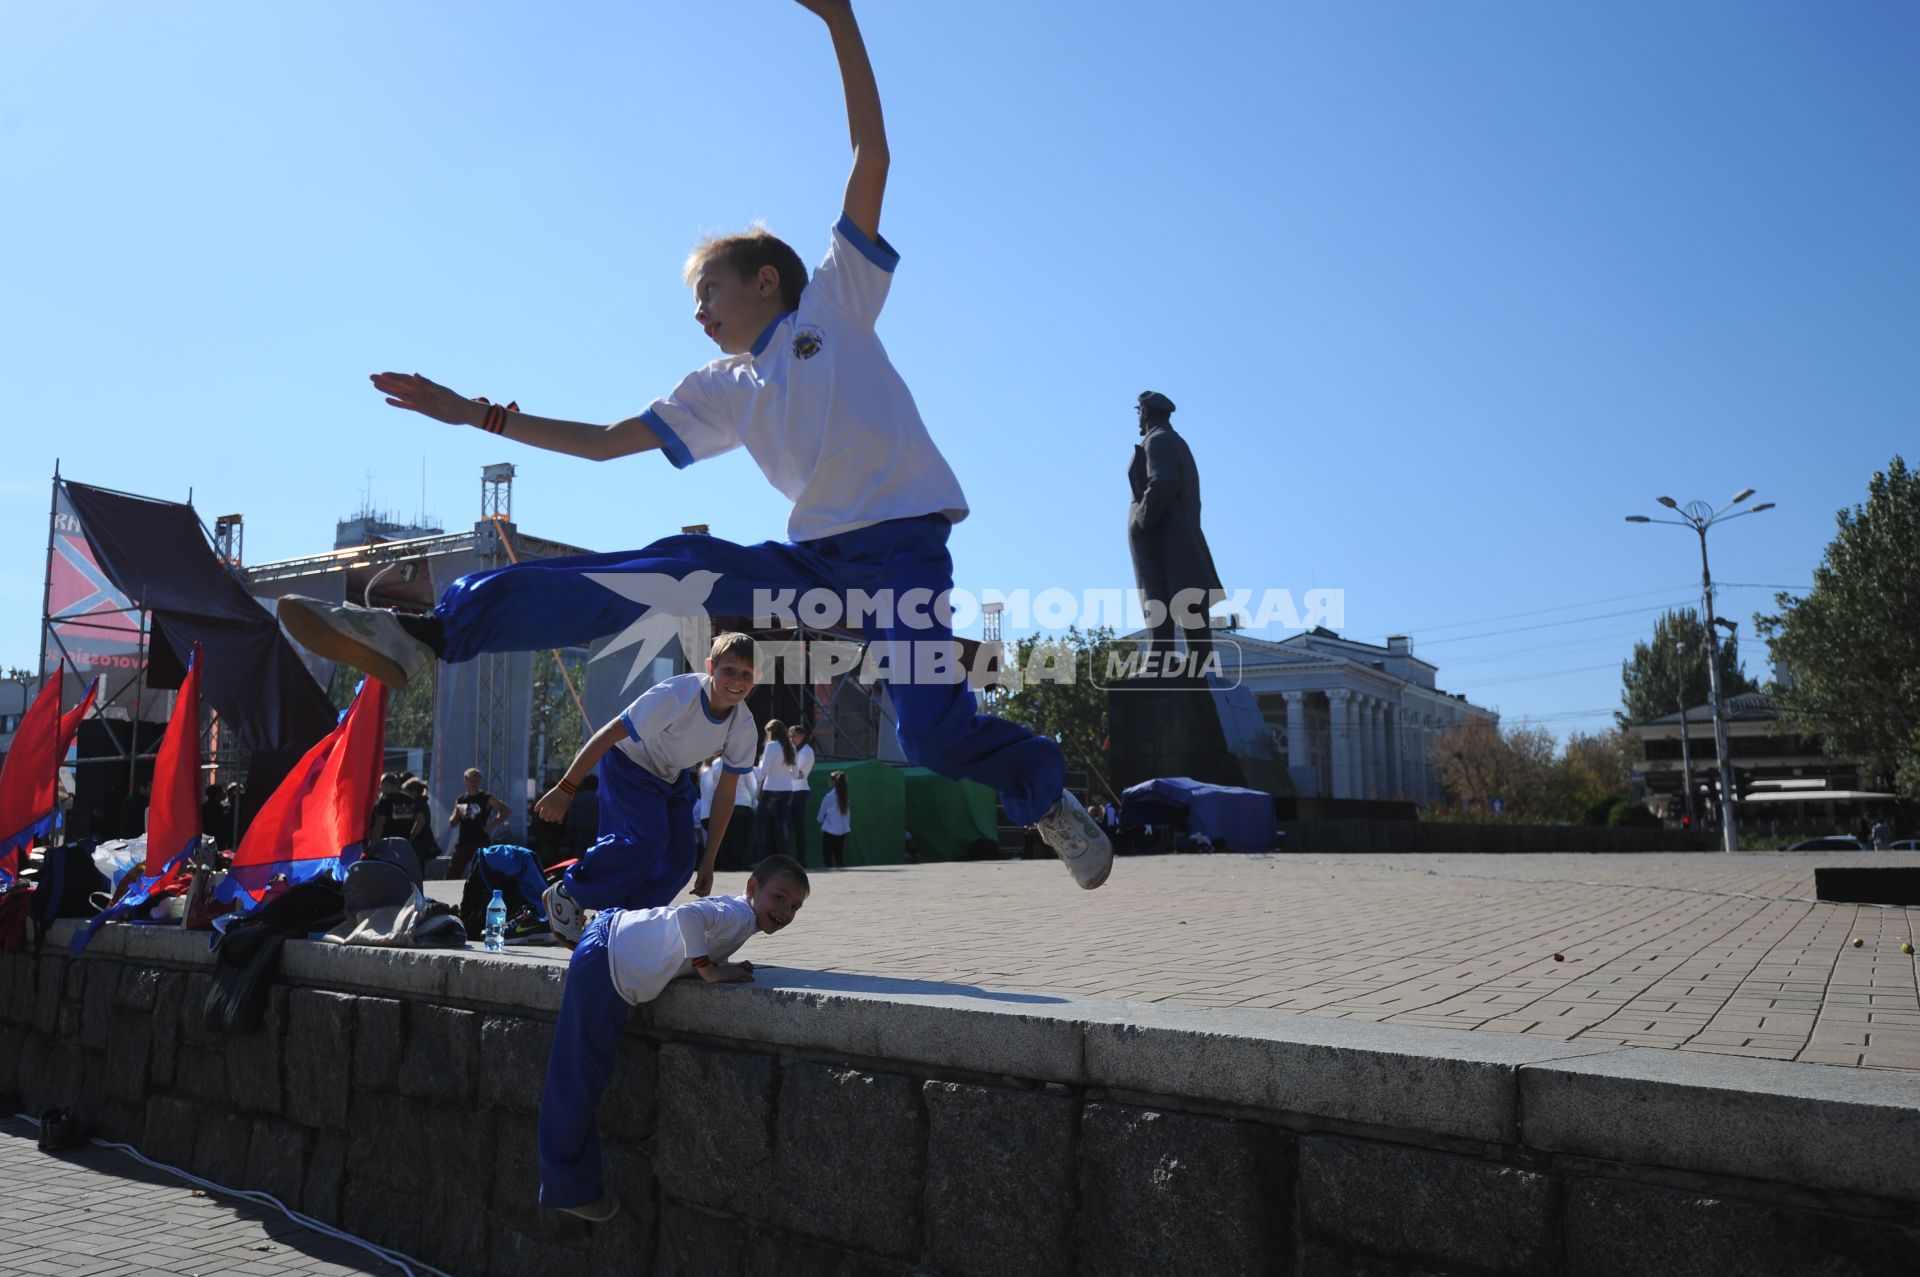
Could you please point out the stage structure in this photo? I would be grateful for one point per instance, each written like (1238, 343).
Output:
(482, 709)
(132, 584)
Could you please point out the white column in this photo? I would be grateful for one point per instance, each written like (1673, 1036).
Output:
(1421, 765)
(1369, 746)
(1299, 752)
(1340, 728)
(1396, 763)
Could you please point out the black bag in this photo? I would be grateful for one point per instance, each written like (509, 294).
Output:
(388, 874)
(67, 884)
(523, 918)
(247, 954)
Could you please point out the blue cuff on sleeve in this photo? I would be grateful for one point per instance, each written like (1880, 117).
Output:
(670, 444)
(627, 720)
(875, 250)
(738, 771)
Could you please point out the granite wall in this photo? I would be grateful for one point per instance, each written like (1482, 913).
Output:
(815, 1128)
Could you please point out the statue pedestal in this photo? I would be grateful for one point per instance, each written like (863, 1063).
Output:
(1209, 732)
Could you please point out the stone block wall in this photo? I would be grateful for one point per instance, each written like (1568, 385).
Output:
(407, 1115)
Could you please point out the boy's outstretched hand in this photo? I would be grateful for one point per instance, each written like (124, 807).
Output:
(428, 398)
(826, 7)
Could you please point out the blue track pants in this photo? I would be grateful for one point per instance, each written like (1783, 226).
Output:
(552, 603)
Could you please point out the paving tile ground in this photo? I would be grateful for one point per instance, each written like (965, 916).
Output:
(1694, 952)
(89, 1211)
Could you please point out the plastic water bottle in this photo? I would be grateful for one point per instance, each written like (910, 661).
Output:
(496, 933)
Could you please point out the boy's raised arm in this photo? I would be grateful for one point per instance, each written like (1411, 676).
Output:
(575, 438)
(554, 803)
(867, 184)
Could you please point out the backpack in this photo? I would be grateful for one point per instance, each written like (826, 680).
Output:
(387, 873)
(68, 882)
(515, 873)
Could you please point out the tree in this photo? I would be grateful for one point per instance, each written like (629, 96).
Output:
(1480, 762)
(554, 708)
(1671, 668)
(1849, 652)
(1056, 690)
(1592, 770)
(409, 711)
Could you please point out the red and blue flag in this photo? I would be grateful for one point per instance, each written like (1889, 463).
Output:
(30, 778)
(173, 813)
(316, 821)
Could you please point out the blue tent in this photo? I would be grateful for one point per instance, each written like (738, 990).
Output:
(1240, 818)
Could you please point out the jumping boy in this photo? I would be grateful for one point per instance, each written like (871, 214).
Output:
(647, 760)
(806, 387)
(626, 957)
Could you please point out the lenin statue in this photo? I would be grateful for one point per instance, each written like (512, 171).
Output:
(1170, 553)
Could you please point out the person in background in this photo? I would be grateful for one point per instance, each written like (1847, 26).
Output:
(213, 817)
(478, 814)
(737, 840)
(836, 822)
(785, 762)
(421, 839)
(399, 812)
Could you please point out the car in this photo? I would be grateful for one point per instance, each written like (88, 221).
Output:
(1904, 844)
(1833, 842)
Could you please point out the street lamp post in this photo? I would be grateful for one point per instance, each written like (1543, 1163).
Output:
(1700, 516)
(1686, 744)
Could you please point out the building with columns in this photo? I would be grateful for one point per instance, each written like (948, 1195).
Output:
(1352, 720)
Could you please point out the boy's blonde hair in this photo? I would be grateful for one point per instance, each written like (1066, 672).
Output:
(732, 643)
(746, 252)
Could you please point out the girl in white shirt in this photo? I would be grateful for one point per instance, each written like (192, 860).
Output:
(785, 764)
(836, 822)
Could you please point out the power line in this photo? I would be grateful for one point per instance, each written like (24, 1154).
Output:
(1528, 678)
(1566, 607)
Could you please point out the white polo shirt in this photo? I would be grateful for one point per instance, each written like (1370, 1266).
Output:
(648, 947)
(673, 727)
(819, 406)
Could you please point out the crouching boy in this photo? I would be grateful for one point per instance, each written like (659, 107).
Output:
(646, 761)
(626, 957)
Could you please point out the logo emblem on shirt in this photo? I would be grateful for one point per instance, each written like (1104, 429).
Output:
(807, 342)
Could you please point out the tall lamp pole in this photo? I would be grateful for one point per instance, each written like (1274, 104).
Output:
(1700, 516)
(1686, 745)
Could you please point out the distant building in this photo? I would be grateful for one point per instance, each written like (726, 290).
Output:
(1779, 777)
(1352, 719)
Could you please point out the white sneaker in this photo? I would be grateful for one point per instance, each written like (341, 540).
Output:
(369, 639)
(1076, 839)
(565, 918)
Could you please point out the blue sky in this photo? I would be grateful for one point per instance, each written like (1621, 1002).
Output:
(1442, 291)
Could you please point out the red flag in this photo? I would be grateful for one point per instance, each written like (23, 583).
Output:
(30, 778)
(173, 816)
(321, 810)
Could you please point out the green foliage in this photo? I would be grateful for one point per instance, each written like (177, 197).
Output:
(1537, 783)
(1056, 692)
(1631, 813)
(1671, 668)
(409, 712)
(1852, 645)
(553, 706)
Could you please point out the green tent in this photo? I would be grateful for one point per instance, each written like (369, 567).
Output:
(946, 817)
(888, 802)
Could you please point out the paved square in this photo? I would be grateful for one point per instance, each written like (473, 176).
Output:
(93, 1212)
(1694, 952)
